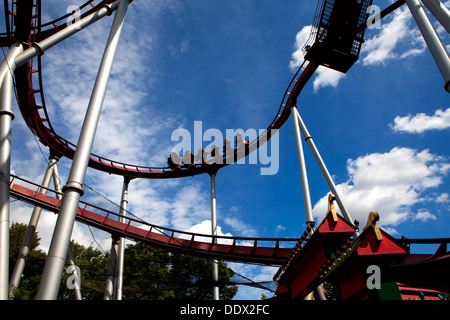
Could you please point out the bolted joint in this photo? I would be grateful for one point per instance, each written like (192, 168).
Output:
(7, 113)
(74, 185)
(109, 9)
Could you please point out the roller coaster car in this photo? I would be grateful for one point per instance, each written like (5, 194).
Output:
(189, 159)
(227, 148)
(337, 44)
(240, 142)
(201, 156)
(174, 161)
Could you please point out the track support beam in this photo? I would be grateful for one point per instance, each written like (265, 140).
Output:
(440, 12)
(121, 249)
(31, 229)
(73, 190)
(302, 165)
(7, 68)
(321, 164)
(215, 262)
(432, 40)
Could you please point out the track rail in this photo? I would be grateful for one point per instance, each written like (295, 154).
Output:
(238, 249)
(37, 119)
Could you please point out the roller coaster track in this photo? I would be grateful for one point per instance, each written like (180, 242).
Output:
(37, 119)
(238, 249)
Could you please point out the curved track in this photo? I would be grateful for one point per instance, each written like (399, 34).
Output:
(37, 119)
(237, 249)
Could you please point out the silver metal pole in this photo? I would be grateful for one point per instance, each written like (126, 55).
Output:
(112, 269)
(434, 44)
(54, 265)
(322, 165)
(70, 255)
(31, 229)
(114, 280)
(56, 181)
(71, 262)
(440, 12)
(7, 68)
(302, 165)
(215, 263)
(39, 48)
(121, 252)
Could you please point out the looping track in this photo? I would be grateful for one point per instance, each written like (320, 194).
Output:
(38, 121)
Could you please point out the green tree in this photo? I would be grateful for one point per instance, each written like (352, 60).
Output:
(93, 264)
(155, 274)
(149, 274)
(194, 276)
(34, 264)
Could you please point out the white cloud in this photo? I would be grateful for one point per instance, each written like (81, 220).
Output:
(241, 228)
(204, 227)
(384, 46)
(176, 51)
(375, 51)
(424, 216)
(300, 39)
(422, 122)
(325, 76)
(443, 198)
(390, 183)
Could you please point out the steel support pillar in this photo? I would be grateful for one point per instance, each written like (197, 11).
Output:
(7, 68)
(322, 165)
(437, 49)
(215, 263)
(121, 249)
(112, 269)
(114, 279)
(440, 12)
(31, 229)
(302, 165)
(38, 48)
(73, 190)
(75, 269)
(70, 255)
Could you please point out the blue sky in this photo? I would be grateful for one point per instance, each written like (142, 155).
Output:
(382, 128)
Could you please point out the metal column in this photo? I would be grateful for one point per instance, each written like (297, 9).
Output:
(31, 229)
(215, 262)
(70, 255)
(321, 164)
(114, 280)
(301, 163)
(121, 251)
(439, 11)
(112, 269)
(38, 48)
(432, 40)
(7, 68)
(53, 269)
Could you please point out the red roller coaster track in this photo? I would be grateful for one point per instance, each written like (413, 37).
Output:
(36, 116)
(170, 239)
(239, 249)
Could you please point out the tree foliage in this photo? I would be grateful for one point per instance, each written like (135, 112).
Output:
(155, 274)
(31, 275)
